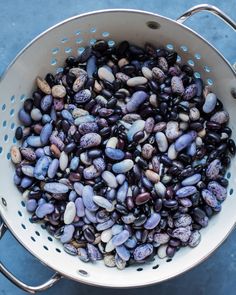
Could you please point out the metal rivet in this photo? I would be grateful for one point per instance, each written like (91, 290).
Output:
(153, 25)
(233, 92)
(83, 272)
(4, 202)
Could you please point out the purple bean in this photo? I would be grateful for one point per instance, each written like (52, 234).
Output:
(185, 140)
(105, 225)
(182, 233)
(31, 205)
(87, 196)
(93, 252)
(183, 220)
(122, 192)
(218, 190)
(90, 140)
(34, 141)
(67, 235)
(79, 204)
(67, 116)
(209, 198)
(24, 118)
(83, 254)
(123, 253)
(120, 238)
(46, 103)
(82, 96)
(114, 154)
(152, 221)
(26, 182)
(190, 91)
(17, 179)
(138, 98)
(213, 169)
(142, 252)
(41, 167)
(191, 180)
(53, 167)
(72, 196)
(186, 191)
(44, 210)
(89, 127)
(56, 188)
(91, 216)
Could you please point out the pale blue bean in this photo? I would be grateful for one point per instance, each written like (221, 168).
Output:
(41, 167)
(191, 180)
(53, 167)
(67, 235)
(45, 134)
(79, 204)
(123, 252)
(44, 210)
(122, 192)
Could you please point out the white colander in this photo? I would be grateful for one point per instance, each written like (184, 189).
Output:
(46, 54)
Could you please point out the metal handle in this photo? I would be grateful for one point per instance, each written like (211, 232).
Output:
(30, 289)
(210, 8)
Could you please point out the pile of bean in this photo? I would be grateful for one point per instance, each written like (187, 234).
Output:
(123, 154)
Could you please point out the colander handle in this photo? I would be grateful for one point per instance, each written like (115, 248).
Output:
(30, 289)
(206, 7)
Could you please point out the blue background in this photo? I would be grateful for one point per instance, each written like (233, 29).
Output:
(20, 22)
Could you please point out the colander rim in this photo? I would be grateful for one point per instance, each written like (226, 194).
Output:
(86, 280)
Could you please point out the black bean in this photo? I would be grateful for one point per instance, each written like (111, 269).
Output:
(28, 105)
(227, 130)
(170, 204)
(185, 158)
(226, 161)
(212, 138)
(19, 133)
(166, 160)
(142, 163)
(100, 46)
(171, 58)
(138, 136)
(201, 185)
(85, 55)
(146, 112)
(231, 146)
(212, 125)
(153, 86)
(50, 79)
(70, 147)
(112, 103)
(89, 235)
(71, 61)
(163, 223)
(121, 209)
(223, 181)
(146, 183)
(196, 126)
(222, 148)
(186, 172)
(187, 69)
(140, 220)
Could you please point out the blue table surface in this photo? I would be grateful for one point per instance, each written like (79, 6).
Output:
(20, 22)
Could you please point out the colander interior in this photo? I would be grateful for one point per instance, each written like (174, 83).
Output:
(47, 54)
